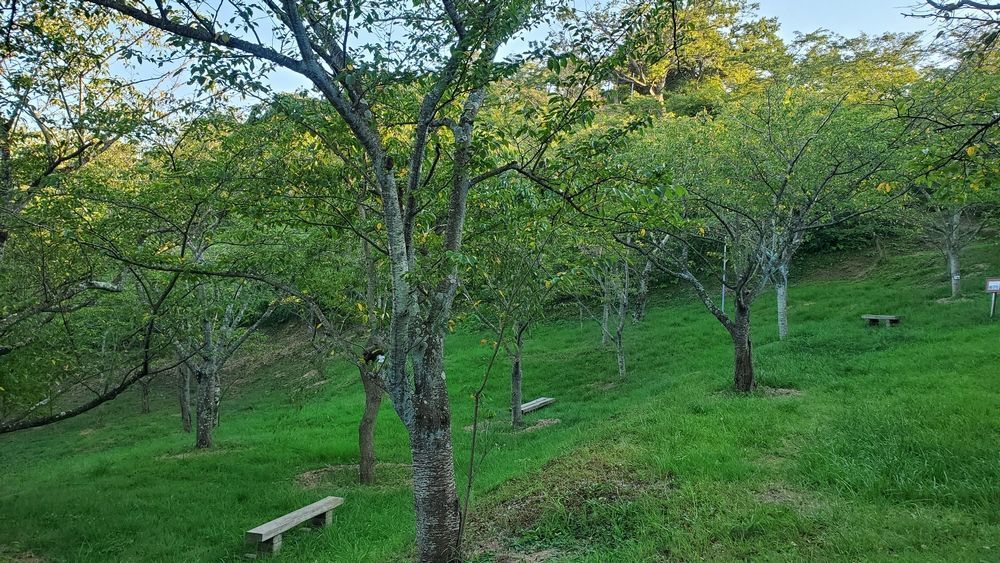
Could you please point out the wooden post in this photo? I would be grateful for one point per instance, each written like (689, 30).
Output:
(270, 546)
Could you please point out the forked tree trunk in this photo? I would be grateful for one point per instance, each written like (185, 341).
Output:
(434, 494)
(781, 289)
(208, 416)
(184, 396)
(743, 374)
(366, 428)
(516, 416)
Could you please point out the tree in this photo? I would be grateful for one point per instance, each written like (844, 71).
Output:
(756, 181)
(690, 55)
(514, 250)
(432, 88)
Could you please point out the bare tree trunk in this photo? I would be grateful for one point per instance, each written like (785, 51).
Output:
(516, 416)
(144, 386)
(781, 288)
(435, 497)
(208, 384)
(366, 428)
(605, 316)
(622, 296)
(642, 295)
(216, 400)
(743, 374)
(184, 395)
(954, 269)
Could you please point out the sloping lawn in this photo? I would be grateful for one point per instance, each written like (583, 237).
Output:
(861, 444)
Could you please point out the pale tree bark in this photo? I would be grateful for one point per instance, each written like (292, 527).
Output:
(606, 317)
(781, 290)
(622, 297)
(955, 271)
(951, 229)
(642, 292)
(953, 246)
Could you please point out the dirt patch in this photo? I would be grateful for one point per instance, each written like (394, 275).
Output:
(780, 493)
(787, 450)
(603, 385)
(586, 487)
(387, 475)
(87, 431)
(535, 557)
(541, 424)
(198, 453)
(18, 557)
(780, 392)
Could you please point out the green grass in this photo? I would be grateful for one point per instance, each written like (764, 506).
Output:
(890, 449)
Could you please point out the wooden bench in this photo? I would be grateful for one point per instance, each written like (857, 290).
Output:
(886, 320)
(268, 536)
(536, 404)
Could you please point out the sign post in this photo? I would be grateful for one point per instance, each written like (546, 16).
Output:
(993, 288)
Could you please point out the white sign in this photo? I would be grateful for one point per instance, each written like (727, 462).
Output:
(993, 285)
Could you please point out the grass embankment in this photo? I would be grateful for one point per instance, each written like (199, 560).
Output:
(880, 443)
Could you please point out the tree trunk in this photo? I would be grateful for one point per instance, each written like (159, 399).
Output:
(642, 295)
(208, 416)
(954, 268)
(743, 375)
(605, 316)
(516, 416)
(184, 395)
(781, 288)
(366, 428)
(144, 386)
(434, 495)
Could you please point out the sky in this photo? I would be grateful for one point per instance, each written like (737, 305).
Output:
(846, 17)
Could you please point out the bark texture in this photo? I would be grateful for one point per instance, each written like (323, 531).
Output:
(642, 293)
(434, 493)
(366, 428)
(781, 289)
(955, 271)
(208, 408)
(743, 372)
(184, 396)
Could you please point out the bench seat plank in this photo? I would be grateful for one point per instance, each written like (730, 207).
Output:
(537, 404)
(275, 527)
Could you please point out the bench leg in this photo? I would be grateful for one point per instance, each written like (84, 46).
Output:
(270, 546)
(322, 520)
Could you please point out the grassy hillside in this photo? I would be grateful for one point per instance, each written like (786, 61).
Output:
(861, 444)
